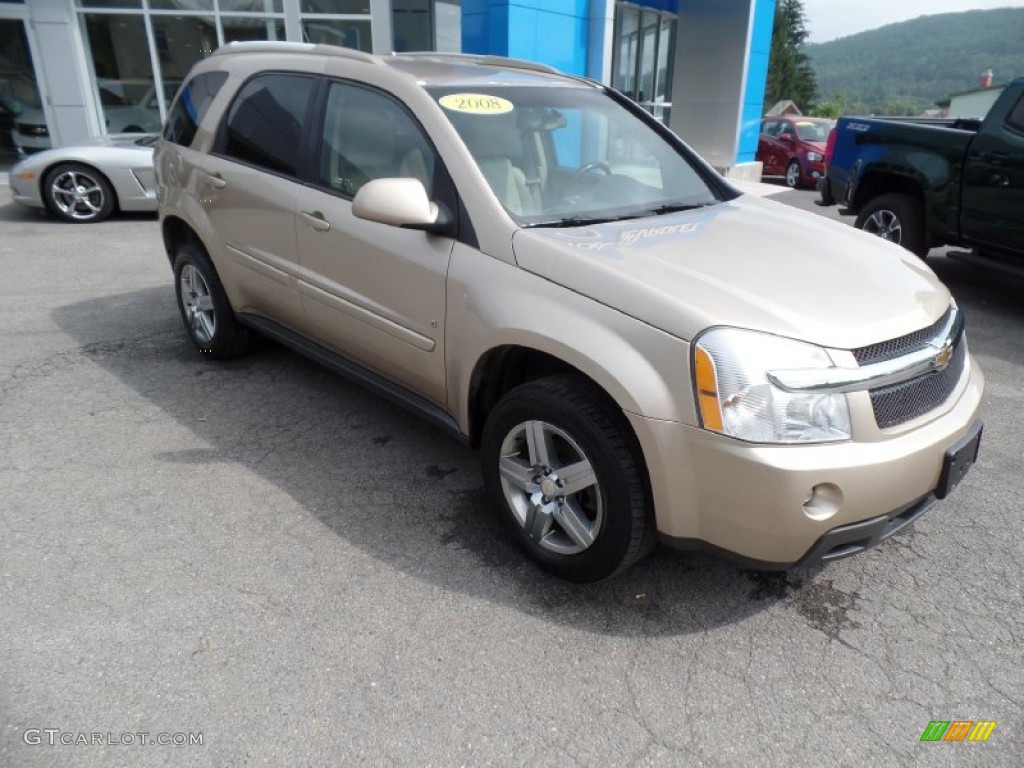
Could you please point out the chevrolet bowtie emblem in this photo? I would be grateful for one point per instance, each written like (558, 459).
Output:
(942, 359)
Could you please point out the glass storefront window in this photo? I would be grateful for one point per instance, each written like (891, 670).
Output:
(642, 68)
(181, 5)
(181, 41)
(336, 6)
(448, 26)
(22, 119)
(239, 29)
(124, 77)
(349, 34)
(627, 35)
(252, 6)
(412, 25)
(110, 3)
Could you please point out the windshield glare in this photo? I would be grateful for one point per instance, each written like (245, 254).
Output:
(814, 131)
(552, 154)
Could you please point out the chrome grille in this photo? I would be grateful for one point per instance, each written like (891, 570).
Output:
(904, 345)
(900, 403)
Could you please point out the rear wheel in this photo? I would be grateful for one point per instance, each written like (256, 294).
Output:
(205, 310)
(562, 468)
(897, 218)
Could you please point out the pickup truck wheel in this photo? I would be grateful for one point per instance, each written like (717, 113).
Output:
(793, 174)
(897, 218)
(567, 480)
(205, 310)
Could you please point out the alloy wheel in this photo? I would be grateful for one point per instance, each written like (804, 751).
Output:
(886, 225)
(198, 304)
(77, 195)
(551, 487)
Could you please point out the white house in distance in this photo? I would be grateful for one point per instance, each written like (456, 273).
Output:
(975, 102)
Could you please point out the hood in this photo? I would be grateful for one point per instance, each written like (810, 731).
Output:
(748, 263)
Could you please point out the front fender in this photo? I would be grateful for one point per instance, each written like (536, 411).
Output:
(494, 304)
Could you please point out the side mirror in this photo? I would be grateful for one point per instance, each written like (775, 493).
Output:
(787, 137)
(400, 203)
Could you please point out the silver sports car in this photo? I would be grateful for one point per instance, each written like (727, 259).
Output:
(87, 182)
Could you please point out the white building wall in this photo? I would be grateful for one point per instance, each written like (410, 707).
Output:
(709, 76)
(61, 70)
(976, 104)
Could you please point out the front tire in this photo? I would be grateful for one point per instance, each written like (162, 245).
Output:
(793, 174)
(897, 218)
(563, 470)
(205, 310)
(78, 193)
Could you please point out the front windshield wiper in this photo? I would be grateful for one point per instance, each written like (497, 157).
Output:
(581, 221)
(661, 210)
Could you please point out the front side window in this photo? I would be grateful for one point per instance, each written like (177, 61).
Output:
(368, 135)
(190, 108)
(264, 124)
(554, 155)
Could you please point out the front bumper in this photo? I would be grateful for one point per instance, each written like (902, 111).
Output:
(747, 501)
(25, 191)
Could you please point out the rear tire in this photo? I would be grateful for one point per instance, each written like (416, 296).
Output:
(567, 478)
(205, 310)
(897, 218)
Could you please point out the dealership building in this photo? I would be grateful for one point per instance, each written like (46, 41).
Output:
(87, 67)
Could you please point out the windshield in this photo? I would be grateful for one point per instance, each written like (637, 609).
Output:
(557, 156)
(814, 131)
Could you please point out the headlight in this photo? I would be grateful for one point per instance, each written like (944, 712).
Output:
(735, 398)
(815, 157)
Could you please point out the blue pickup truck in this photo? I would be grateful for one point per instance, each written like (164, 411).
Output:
(926, 185)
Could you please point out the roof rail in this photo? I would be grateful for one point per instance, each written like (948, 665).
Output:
(281, 46)
(483, 59)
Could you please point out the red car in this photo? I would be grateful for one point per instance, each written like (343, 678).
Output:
(794, 147)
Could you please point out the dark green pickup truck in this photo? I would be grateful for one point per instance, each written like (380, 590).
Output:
(927, 185)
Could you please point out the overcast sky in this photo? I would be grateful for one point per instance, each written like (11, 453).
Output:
(829, 19)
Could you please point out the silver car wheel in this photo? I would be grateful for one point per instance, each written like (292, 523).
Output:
(195, 295)
(886, 225)
(551, 487)
(793, 175)
(77, 195)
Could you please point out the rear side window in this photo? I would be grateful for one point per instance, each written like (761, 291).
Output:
(1016, 116)
(191, 106)
(265, 122)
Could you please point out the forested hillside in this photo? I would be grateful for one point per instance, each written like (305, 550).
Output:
(904, 68)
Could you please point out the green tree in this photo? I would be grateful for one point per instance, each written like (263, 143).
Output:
(790, 74)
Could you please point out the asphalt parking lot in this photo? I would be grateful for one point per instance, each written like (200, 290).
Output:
(266, 555)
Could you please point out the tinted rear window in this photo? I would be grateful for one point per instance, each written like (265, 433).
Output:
(264, 123)
(191, 105)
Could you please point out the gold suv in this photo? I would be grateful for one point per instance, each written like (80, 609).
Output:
(528, 259)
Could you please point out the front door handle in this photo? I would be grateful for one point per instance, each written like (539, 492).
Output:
(216, 180)
(996, 157)
(315, 220)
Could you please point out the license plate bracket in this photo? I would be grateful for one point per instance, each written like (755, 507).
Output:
(958, 460)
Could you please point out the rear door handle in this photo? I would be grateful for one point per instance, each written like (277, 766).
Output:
(996, 158)
(315, 220)
(216, 180)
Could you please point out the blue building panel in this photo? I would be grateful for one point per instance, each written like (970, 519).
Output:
(551, 31)
(669, 6)
(759, 46)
